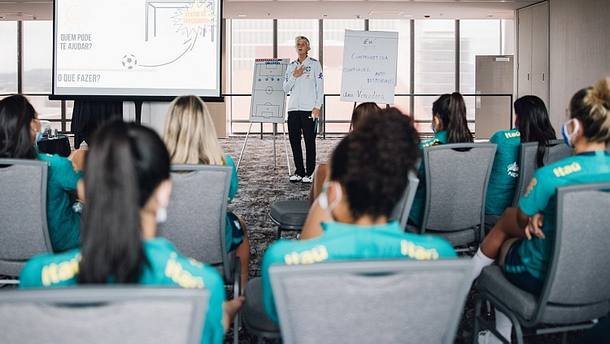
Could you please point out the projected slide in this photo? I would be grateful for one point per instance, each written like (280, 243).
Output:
(137, 47)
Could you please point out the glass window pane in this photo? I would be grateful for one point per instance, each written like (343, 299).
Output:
(37, 56)
(249, 39)
(8, 57)
(46, 109)
(288, 29)
(434, 61)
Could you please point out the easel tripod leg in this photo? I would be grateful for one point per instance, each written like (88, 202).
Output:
(241, 154)
(286, 148)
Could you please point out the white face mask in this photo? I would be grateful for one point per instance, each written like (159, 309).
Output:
(161, 215)
(568, 137)
(323, 198)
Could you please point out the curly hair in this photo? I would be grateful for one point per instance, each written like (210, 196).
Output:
(372, 163)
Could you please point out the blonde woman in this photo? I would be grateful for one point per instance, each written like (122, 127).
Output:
(190, 137)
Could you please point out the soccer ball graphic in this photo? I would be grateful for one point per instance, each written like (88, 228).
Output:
(129, 61)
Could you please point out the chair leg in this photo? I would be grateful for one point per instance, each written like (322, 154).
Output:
(236, 293)
(279, 233)
(475, 327)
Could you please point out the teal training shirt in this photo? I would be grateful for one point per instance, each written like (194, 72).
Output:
(350, 242)
(166, 268)
(504, 173)
(234, 180)
(63, 222)
(540, 197)
(419, 202)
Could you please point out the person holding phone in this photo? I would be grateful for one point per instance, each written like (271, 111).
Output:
(304, 81)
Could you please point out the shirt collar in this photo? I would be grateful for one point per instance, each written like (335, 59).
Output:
(441, 136)
(333, 227)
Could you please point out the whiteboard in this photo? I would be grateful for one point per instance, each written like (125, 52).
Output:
(369, 66)
(268, 101)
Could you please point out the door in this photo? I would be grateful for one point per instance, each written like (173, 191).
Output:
(540, 51)
(524, 66)
(494, 75)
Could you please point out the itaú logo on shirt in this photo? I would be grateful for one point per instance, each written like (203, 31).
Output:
(413, 251)
(56, 273)
(315, 255)
(183, 278)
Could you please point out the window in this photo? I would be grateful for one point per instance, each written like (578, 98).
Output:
(287, 30)
(8, 57)
(403, 27)
(37, 56)
(334, 33)
(250, 39)
(434, 62)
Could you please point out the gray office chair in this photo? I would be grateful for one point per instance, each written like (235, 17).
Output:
(385, 301)
(103, 315)
(23, 214)
(196, 219)
(577, 286)
(456, 185)
(403, 208)
(556, 150)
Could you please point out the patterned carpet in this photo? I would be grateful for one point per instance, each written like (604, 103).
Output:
(260, 184)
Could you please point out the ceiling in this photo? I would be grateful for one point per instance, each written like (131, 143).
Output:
(339, 9)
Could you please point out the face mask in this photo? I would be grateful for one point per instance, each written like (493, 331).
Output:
(39, 136)
(433, 127)
(323, 198)
(161, 215)
(567, 136)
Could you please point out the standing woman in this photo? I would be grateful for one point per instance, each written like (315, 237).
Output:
(190, 137)
(126, 185)
(532, 124)
(450, 126)
(19, 127)
(304, 81)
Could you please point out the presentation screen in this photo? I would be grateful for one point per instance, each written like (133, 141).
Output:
(139, 48)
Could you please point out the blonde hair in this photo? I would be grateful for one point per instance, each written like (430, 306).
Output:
(190, 135)
(592, 107)
(302, 38)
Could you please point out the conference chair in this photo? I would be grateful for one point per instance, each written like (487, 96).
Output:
(290, 215)
(403, 208)
(196, 219)
(577, 286)
(456, 185)
(23, 214)
(556, 150)
(106, 314)
(383, 301)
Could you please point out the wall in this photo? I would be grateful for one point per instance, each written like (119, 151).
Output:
(579, 50)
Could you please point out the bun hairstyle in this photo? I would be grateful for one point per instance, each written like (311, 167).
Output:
(592, 107)
(125, 165)
(190, 134)
(534, 124)
(16, 115)
(372, 163)
(361, 112)
(451, 110)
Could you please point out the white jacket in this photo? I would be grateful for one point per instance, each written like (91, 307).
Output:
(306, 91)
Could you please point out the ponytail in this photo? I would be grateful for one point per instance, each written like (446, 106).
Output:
(451, 110)
(534, 124)
(125, 164)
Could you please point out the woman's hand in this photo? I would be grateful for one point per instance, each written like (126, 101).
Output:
(230, 308)
(534, 227)
(78, 159)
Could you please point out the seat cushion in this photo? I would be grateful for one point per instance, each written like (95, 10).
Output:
(457, 238)
(253, 311)
(492, 281)
(290, 214)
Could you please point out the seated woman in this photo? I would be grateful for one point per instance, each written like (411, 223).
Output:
(522, 238)
(450, 126)
(367, 179)
(532, 124)
(190, 137)
(19, 127)
(362, 111)
(126, 185)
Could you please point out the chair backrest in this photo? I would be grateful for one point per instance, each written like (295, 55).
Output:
(556, 150)
(196, 213)
(103, 315)
(23, 213)
(403, 207)
(579, 270)
(383, 301)
(456, 184)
